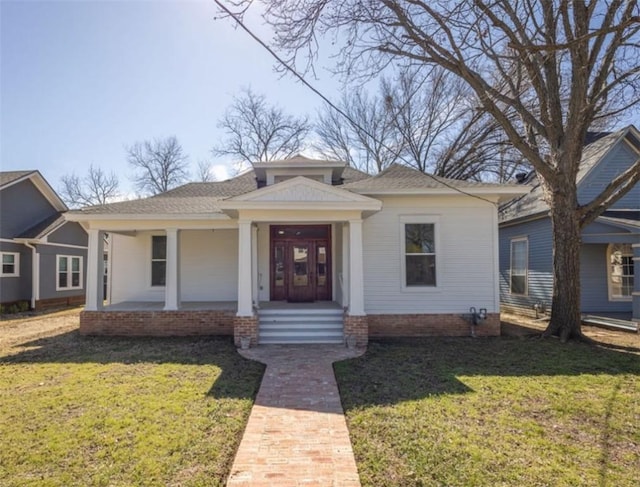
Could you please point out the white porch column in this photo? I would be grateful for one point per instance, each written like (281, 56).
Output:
(95, 270)
(172, 284)
(345, 265)
(254, 266)
(245, 305)
(356, 269)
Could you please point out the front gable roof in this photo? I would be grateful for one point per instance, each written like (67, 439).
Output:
(300, 193)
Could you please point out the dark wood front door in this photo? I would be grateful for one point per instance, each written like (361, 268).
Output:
(301, 263)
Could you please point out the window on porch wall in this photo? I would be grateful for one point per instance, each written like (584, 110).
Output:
(158, 260)
(621, 271)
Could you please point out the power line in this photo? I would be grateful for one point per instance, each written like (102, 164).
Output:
(331, 104)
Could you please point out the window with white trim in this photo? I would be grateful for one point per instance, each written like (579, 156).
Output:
(419, 254)
(69, 272)
(519, 265)
(158, 260)
(620, 262)
(10, 264)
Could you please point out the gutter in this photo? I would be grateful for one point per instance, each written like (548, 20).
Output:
(35, 274)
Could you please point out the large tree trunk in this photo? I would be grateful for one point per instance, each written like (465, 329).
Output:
(565, 311)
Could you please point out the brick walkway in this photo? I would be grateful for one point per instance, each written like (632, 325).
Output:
(297, 434)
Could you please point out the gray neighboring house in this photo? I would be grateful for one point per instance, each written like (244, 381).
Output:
(610, 288)
(43, 255)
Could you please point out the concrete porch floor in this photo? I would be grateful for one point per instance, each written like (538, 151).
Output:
(217, 305)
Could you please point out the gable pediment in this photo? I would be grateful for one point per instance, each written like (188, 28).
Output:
(301, 190)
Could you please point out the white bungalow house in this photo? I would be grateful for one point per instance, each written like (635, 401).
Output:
(299, 250)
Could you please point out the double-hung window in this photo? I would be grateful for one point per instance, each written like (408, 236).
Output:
(69, 272)
(519, 265)
(158, 260)
(10, 264)
(419, 248)
(620, 271)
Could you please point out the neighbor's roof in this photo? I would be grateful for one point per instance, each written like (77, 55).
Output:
(7, 177)
(626, 218)
(532, 203)
(44, 228)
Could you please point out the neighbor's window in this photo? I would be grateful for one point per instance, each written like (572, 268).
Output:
(158, 260)
(10, 264)
(620, 271)
(420, 254)
(519, 265)
(69, 272)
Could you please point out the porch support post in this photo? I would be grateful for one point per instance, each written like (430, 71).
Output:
(254, 266)
(172, 285)
(635, 316)
(356, 269)
(245, 305)
(95, 270)
(345, 265)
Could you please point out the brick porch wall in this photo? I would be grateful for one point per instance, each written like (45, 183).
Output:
(245, 326)
(416, 325)
(357, 326)
(157, 323)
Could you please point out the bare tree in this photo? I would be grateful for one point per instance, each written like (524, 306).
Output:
(160, 165)
(545, 70)
(427, 119)
(94, 188)
(259, 132)
(204, 174)
(373, 142)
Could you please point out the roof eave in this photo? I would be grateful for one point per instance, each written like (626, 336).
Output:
(86, 217)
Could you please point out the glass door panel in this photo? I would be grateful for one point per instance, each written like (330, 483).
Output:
(300, 254)
(321, 263)
(278, 266)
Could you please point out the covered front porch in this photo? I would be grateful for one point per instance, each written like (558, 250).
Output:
(258, 255)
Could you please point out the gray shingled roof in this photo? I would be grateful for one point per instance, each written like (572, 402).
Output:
(533, 203)
(41, 229)
(193, 198)
(399, 177)
(201, 198)
(7, 177)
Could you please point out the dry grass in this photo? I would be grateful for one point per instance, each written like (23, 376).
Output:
(121, 411)
(485, 412)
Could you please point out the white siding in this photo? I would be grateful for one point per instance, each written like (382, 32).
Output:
(465, 257)
(208, 266)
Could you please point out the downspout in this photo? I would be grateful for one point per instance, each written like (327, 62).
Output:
(35, 274)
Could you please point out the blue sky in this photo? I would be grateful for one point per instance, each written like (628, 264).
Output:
(81, 80)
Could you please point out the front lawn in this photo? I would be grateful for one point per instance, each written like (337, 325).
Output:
(122, 411)
(489, 412)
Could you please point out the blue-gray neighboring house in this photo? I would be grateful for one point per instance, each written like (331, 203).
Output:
(43, 255)
(610, 252)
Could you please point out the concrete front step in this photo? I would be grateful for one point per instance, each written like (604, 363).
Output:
(300, 326)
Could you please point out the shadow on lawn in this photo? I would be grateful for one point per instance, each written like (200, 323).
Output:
(234, 380)
(399, 370)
